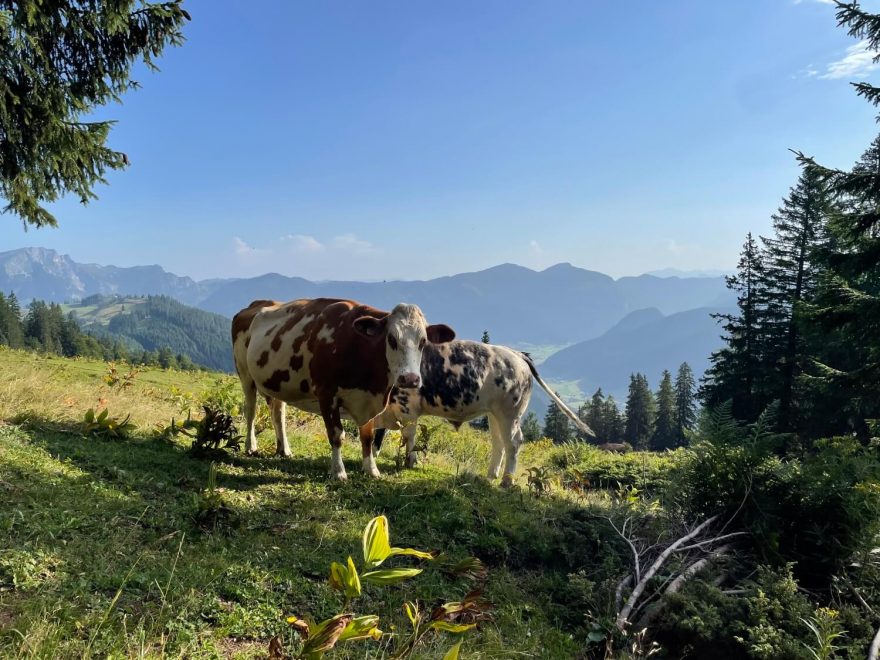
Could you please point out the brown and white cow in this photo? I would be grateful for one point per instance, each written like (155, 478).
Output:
(332, 357)
(462, 380)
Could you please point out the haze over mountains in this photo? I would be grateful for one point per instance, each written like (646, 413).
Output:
(560, 305)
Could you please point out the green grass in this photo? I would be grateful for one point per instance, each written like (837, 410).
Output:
(100, 555)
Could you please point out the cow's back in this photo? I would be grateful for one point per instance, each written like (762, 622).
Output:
(465, 379)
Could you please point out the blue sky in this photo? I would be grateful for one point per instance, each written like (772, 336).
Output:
(353, 140)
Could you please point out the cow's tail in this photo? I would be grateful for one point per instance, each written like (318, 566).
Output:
(564, 408)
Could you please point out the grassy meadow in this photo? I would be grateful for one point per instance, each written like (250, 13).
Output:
(101, 554)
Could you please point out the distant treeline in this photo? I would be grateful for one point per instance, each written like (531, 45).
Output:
(654, 421)
(151, 334)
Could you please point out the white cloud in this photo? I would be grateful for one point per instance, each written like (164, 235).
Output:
(302, 243)
(536, 247)
(243, 249)
(824, 2)
(674, 247)
(857, 61)
(351, 243)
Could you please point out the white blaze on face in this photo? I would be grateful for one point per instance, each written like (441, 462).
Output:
(406, 335)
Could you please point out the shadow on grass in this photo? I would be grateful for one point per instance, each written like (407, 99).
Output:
(136, 496)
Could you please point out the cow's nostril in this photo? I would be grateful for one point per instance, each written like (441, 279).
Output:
(408, 380)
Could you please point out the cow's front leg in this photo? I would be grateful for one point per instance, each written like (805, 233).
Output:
(279, 421)
(409, 435)
(366, 434)
(336, 435)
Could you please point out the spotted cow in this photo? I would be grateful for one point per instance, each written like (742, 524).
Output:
(332, 357)
(462, 380)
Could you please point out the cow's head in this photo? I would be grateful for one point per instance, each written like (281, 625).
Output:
(404, 332)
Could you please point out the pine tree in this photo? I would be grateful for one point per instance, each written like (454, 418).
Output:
(685, 406)
(60, 61)
(613, 422)
(485, 338)
(640, 412)
(847, 308)
(791, 275)
(531, 427)
(557, 426)
(665, 427)
(737, 368)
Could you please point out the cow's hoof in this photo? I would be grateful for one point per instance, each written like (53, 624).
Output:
(339, 475)
(507, 481)
(251, 452)
(493, 474)
(373, 473)
(284, 454)
(412, 460)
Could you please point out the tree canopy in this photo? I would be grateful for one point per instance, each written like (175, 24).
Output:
(59, 61)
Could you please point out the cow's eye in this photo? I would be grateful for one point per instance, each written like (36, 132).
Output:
(422, 343)
(392, 342)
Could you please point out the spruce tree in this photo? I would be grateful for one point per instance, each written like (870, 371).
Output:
(736, 370)
(557, 426)
(685, 406)
(664, 436)
(485, 338)
(59, 62)
(613, 422)
(531, 427)
(847, 307)
(791, 275)
(640, 412)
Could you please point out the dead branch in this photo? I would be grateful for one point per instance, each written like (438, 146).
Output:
(694, 546)
(622, 534)
(623, 615)
(618, 593)
(695, 568)
(874, 651)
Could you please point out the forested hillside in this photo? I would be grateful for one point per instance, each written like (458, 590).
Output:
(162, 322)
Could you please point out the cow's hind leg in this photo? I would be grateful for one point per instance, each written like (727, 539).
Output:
(250, 414)
(336, 435)
(366, 433)
(511, 434)
(279, 421)
(497, 454)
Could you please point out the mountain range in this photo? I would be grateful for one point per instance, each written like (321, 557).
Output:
(596, 330)
(560, 305)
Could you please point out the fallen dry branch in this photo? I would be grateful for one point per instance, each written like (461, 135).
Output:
(874, 651)
(618, 593)
(696, 567)
(623, 615)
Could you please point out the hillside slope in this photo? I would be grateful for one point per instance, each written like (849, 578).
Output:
(643, 342)
(154, 322)
(103, 533)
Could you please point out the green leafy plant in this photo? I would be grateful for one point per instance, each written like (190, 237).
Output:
(540, 480)
(115, 380)
(213, 433)
(101, 424)
(826, 629)
(316, 638)
(211, 510)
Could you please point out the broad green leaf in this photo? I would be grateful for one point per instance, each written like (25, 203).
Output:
(324, 635)
(377, 546)
(410, 552)
(363, 627)
(353, 582)
(452, 654)
(452, 627)
(412, 612)
(90, 416)
(391, 575)
(103, 414)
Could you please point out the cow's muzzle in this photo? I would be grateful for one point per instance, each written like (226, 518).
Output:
(409, 381)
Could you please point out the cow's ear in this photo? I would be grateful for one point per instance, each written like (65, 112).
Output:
(369, 326)
(440, 333)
